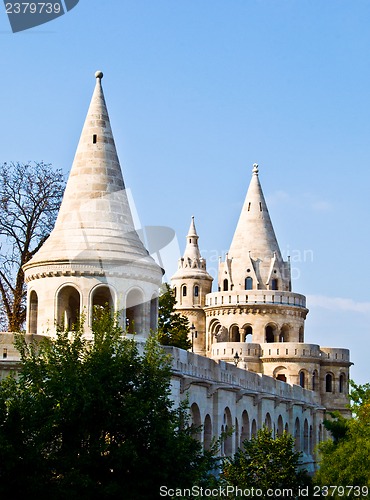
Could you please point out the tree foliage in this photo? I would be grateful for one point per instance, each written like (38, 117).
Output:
(266, 463)
(94, 419)
(345, 460)
(173, 327)
(30, 196)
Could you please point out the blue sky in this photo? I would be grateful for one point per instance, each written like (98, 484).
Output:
(197, 92)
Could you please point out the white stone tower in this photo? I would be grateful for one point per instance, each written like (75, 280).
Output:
(191, 284)
(93, 256)
(256, 321)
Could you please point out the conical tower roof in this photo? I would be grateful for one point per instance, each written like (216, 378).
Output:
(254, 232)
(254, 243)
(94, 224)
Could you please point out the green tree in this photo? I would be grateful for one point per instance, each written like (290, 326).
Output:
(94, 419)
(266, 463)
(173, 327)
(30, 196)
(345, 460)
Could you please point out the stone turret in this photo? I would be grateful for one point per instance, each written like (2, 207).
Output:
(254, 261)
(191, 284)
(93, 256)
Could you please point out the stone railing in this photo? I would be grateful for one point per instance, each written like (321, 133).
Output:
(252, 297)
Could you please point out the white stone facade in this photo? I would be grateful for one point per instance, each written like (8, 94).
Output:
(250, 366)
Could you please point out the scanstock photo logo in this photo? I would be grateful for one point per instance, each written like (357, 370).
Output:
(25, 15)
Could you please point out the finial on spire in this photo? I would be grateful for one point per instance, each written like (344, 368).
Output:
(255, 168)
(99, 74)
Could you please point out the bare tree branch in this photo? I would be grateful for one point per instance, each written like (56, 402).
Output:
(30, 197)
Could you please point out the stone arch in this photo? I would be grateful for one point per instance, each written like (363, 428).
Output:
(280, 373)
(236, 435)
(196, 421)
(234, 333)
(153, 312)
(342, 383)
(314, 380)
(207, 432)
(310, 450)
(134, 311)
(320, 434)
(303, 377)
(254, 428)
(245, 434)
(268, 421)
(248, 283)
(286, 427)
(228, 424)
(184, 292)
(285, 333)
(270, 332)
(101, 297)
(225, 285)
(305, 436)
(247, 333)
(329, 382)
(301, 334)
(280, 426)
(68, 301)
(274, 284)
(214, 326)
(297, 434)
(34, 307)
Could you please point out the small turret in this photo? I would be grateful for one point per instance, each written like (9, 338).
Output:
(191, 284)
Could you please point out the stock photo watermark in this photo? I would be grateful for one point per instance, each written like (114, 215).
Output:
(25, 15)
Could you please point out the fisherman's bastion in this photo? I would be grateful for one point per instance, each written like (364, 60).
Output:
(250, 364)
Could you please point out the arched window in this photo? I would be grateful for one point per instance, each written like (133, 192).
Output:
(269, 333)
(102, 298)
(33, 312)
(254, 428)
(305, 436)
(229, 425)
(196, 291)
(248, 283)
(226, 285)
(68, 307)
(153, 313)
(268, 422)
(301, 379)
(207, 432)
(234, 334)
(184, 291)
(314, 380)
(341, 383)
(301, 335)
(280, 426)
(274, 284)
(329, 382)
(174, 291)
(245, 434)
(248, 333)
(297, 435)
(134, 311)
(196, 421)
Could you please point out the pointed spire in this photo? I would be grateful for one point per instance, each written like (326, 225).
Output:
(192, 249)
(192, 231)
(94, 218)
(192, 262)
(254, 238)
